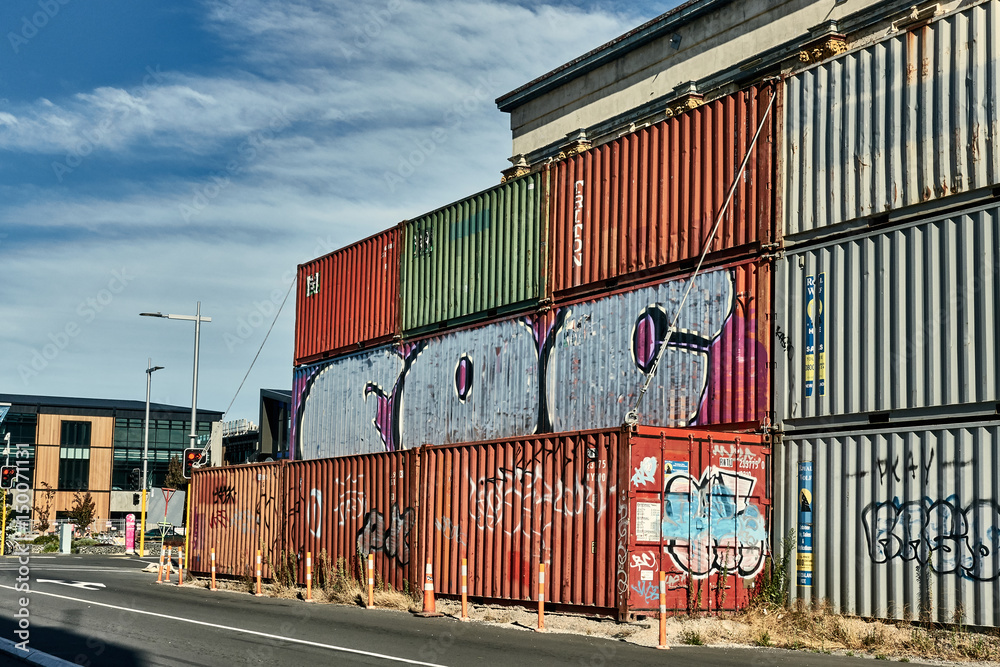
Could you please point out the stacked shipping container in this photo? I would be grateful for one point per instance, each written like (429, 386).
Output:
(886, 302)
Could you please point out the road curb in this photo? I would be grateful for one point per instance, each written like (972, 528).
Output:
(33, 656)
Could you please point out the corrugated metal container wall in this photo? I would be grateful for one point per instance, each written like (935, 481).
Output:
(906, 523)
(474, 259)
(897, 320)
(903, 121)
(358, 504)
(348, 299)
(650, 198)
(508, 504)
(349, 405)
(237, 510)
(479, 383)
(714, 371)
(699, 504)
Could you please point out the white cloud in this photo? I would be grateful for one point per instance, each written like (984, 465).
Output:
(362, 90)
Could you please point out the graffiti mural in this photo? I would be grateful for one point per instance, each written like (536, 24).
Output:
(573, 368)
(713, 525)
(947, 536)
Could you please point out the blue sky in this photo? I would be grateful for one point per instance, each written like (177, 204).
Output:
(156, 154)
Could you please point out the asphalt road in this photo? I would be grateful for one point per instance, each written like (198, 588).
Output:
(99, 610)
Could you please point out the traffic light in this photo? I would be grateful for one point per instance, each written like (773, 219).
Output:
(8, 475)
(192, 457)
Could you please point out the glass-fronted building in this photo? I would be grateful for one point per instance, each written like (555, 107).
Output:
(95, 445)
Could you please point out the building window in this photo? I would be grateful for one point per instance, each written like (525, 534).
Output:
(74, 456)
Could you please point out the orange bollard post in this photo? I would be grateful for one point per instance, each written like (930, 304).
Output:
(180, 567)
(663, 611)
(309, 576)
(213, 570)
(371, 580)
(465, 590)
(166, 575)
(258, 573)
(429, 607)
(159, 576)
(541, 598)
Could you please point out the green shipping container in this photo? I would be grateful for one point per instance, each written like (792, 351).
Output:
(474, 259)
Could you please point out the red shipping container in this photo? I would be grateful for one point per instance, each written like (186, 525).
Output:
(237, 510)
(349, 299)
(649, 199)
(699, 504)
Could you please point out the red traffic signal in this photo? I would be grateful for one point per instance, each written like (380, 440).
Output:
(192, 458)
(8, 475)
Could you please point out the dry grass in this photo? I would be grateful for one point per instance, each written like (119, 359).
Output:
(825, 630)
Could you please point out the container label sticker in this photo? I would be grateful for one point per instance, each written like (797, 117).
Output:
(647, 522)
(821, 333)
(675, 468)
(645, 575)
(804, 559)
(816, 334)
(810, 333)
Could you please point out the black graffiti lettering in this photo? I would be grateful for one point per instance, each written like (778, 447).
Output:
(941, 534)
(394, 540)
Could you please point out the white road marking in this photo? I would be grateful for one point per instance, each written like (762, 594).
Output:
(292, 640)
(85, 585)
(79, 569)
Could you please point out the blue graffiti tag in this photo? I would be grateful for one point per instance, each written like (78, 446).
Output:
(650, 590)
(712, 525)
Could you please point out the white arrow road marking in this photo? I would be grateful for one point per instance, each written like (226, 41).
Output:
(85, 585)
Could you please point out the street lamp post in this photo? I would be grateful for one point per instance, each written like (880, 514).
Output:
(198, 319)
(150, 369)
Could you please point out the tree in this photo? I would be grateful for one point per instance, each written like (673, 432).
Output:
(43, 508)
(175, 474)
(83, 510)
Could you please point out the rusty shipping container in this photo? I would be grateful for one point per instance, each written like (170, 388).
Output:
(237, 510)
(648, 200)
(474, 259)
(904, 523)
(699, 505)
(508, 505)
(910, 119)
(357, 505)
(348, 299)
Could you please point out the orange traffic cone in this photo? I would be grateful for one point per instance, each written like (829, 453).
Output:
(429, 608)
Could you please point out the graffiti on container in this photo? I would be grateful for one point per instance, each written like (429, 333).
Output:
(449, 530)
(314, 516)
(350, 504)
(224, 494)
(506, 491)
(244, 521)
(394, 540)
(784, 342)
(713, 525)
(645, 561)
(579, 370)
(649, 590)
(911, 466)
(219, 519)
(646, 472)
(388, 404)
(942, 534)
(621, 557)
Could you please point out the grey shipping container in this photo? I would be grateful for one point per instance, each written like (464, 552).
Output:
(890, 324)
(909, 119)
(904, 524)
